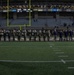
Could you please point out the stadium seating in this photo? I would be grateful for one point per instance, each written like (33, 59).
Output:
(36, 6)
(51, 22)
(19, 22)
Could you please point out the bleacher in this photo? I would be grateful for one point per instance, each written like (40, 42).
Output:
(39, 17)
(51, 22)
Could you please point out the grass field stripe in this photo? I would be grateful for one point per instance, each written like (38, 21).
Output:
(63, 61)
(56, 50)
(51, 44)
(70, 67)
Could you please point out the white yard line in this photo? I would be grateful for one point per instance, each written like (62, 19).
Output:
(59, 52)
(70, 67)
(29, 61)
(64, 61)
(10, 46)
(69, 60)
(63, 56)
(64, 46)
(39, 45)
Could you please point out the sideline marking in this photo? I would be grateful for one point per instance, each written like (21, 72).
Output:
(28, 61)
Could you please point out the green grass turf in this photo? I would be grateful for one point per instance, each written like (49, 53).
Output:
(36, 51)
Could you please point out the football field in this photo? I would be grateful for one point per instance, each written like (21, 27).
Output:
(36, 58)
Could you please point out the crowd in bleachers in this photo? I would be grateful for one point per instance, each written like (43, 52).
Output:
(36, 35)
(38, 6)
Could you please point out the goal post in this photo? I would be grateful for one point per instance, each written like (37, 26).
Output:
(8, 21)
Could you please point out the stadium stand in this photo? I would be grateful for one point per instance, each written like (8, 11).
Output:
(41, 14)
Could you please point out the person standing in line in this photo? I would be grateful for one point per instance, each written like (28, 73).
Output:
(4, 34)
(60, 35)
(29, 34)
(9, 34)
(48, 35)
(55, 34)
(39, 35)
(35, 35)
(0, 34)
(71, 35)
(13, 34)
(19, 34)
(24, 34)
(66, 35)
(44, 35)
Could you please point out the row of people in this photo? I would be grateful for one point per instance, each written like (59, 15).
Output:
(64, 35)
(23, 34)
(50, 6)
(35, 35)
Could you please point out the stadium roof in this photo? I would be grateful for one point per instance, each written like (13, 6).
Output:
(42, 0)
(22, 1)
